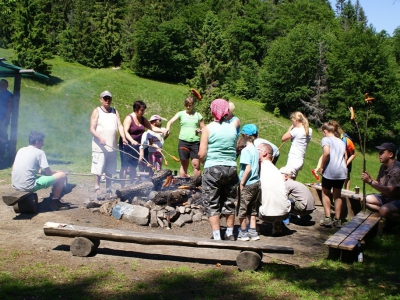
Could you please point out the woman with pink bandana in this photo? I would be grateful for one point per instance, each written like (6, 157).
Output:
(218, 153)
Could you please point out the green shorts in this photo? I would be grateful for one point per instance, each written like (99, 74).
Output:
(43, 182)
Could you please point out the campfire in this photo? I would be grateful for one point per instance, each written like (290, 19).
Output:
(161, 200)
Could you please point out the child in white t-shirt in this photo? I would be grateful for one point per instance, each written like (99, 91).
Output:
(154, 142)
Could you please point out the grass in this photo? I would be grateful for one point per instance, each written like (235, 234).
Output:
(61, 109)
(377, 278)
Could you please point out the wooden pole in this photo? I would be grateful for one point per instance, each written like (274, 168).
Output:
(12, 147)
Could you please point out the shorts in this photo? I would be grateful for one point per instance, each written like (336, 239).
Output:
(43, 182)
(384, 200)
(193, 147)
(219, 185)
(250, 199)
(332, 183)
(131, 157)
(299, 208)
(104, 162)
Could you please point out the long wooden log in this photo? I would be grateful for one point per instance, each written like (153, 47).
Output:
(146, 238)
(172, 197)
(140, 190)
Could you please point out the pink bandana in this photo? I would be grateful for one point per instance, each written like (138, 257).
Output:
(219, 109)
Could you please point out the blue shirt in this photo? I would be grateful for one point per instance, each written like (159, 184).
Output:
(249, 156)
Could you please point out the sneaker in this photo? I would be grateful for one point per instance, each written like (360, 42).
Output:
(277, 229)
(58, 205)
(286, 221)
(326, 221)
(229, 238)
(253, 235)
(337, 223)
(243, 236)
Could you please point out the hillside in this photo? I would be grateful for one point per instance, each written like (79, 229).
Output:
(61, 109)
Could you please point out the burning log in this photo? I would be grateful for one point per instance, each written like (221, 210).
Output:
(172, 197)
(141, 190)
(159, 177)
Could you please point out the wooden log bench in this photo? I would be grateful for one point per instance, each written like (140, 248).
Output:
(22, 202)
(351, 204)
(343, 244)
(87, 239)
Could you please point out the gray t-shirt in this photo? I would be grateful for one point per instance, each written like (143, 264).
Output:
(27, 163)
(300, 193)
(335, 168)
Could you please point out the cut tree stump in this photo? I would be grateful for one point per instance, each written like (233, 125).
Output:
(245, 260)
(22, 202)
(82, 246)
(248, 261)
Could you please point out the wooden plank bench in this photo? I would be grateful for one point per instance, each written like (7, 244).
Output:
(87, 239)
(22, 202)
(342, 245)
(351, 203)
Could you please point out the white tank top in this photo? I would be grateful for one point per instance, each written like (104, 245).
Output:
(107, 129)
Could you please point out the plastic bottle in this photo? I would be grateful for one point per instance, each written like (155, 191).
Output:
(360, 256)
(315, 174)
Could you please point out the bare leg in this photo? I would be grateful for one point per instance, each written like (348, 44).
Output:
(97, 180)
(253, 221)
(326, 202)
(184, 167)
(372, 203)
(196, 167)
(338, 202)
(230, 221)
(108, 180)
(122, 175)
(390, 212)
(243, 224)
(214, 222)
(58, 184)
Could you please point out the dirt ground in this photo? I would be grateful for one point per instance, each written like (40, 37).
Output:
(24, 232)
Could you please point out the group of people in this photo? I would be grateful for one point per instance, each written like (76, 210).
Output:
(259, 189)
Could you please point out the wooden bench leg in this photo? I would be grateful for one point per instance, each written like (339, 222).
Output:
(27, 205)
(82, 246)
(248, 260)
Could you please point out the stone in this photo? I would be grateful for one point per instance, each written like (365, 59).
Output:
(197, 217)
(153, 219)
(132, 213)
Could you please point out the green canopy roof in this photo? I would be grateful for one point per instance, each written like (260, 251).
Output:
(8, 70)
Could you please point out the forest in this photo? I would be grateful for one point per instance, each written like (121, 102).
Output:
(288, 54)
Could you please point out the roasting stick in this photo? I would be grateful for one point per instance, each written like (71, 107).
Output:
(162, 149)
(165, 160)
(139, 154)
(149, 165)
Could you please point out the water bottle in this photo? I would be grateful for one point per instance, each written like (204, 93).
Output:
(360, 256)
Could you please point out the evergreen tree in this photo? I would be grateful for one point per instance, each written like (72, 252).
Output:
(30, 38)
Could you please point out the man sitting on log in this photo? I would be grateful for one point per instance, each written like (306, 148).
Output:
(301, 198)
(387, 183)
(28, 161)
(275, 206)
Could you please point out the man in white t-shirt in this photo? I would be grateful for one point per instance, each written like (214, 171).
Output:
(28, 161)
(275, 206)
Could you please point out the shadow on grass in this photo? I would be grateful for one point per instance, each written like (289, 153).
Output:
(377, 278)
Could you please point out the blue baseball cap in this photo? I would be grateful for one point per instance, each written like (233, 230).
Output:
(249, 129)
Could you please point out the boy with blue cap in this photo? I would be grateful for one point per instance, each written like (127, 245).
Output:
(249, 179)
